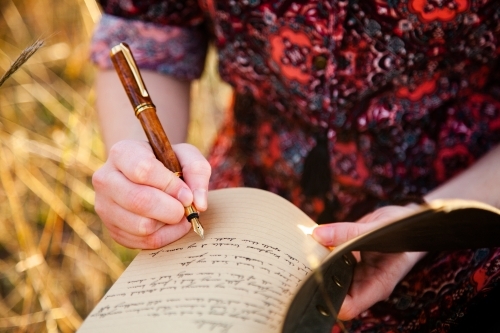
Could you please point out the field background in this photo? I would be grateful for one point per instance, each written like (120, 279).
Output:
(56, 260)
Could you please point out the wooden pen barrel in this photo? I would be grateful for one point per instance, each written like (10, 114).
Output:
(158, 139)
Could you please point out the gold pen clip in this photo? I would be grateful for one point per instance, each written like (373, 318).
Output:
(130, 60)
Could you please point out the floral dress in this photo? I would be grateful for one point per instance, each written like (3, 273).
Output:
(340, 107)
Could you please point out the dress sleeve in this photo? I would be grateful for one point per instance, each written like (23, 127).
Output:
(165, 36)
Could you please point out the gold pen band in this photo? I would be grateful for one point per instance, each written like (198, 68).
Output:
(190, 210)
(144, 106)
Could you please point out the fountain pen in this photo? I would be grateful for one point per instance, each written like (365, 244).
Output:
(145, 111)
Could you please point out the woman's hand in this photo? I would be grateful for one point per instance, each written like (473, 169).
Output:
(376, 274)
(141, 202)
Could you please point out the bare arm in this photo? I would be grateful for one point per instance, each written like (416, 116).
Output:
(117, 119)
(480, 182)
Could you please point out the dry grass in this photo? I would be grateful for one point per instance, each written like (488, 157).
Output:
(56, 261)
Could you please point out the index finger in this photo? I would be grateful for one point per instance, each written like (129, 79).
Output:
(138, 163)
(196, 172)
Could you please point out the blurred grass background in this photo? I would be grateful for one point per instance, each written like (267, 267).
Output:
(56, 260)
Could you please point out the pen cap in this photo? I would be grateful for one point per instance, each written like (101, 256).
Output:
(129, 75)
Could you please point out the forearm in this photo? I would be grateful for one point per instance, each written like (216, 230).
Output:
(480, 182)
(117, 119)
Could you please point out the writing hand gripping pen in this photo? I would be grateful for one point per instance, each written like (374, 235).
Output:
(145, 111)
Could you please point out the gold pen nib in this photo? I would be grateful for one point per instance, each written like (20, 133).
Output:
(194, 218)
(197, 227)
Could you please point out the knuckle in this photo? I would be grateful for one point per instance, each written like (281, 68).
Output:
(139, 200)
(142, 169)
(153, 241)
(383, 212)
(171, 182)
(117, 149)
(351, 232)
(146, 226)
(184, 146)
(100, 209)
(99, 179)
(199, 167)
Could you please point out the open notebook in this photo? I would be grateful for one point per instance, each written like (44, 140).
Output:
(240, 278)
(259, 270)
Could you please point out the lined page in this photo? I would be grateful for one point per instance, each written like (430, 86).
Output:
(240, 278)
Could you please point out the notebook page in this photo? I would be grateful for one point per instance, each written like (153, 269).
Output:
(240, 278)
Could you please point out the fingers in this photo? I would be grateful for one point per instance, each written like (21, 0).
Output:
(136, 231)
(114, 215)
(140, 201)
(375, 277)
(146, 201)
(335, 234)
(371, 283)
(138, 164)
(166, 234)
(376, 274)
(351, 307)
(196, 173)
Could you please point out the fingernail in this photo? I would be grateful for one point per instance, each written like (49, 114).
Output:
(185, 196)
(323, 234)
(200, 198)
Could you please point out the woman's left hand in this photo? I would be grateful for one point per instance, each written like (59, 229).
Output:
(376, 274)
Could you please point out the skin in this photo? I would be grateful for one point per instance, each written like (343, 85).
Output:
(377, 274)
(141, 202)
(138, 199)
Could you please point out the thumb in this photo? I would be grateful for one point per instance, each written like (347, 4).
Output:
(334, 234)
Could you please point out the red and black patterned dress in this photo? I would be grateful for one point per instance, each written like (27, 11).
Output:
(340, 107)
